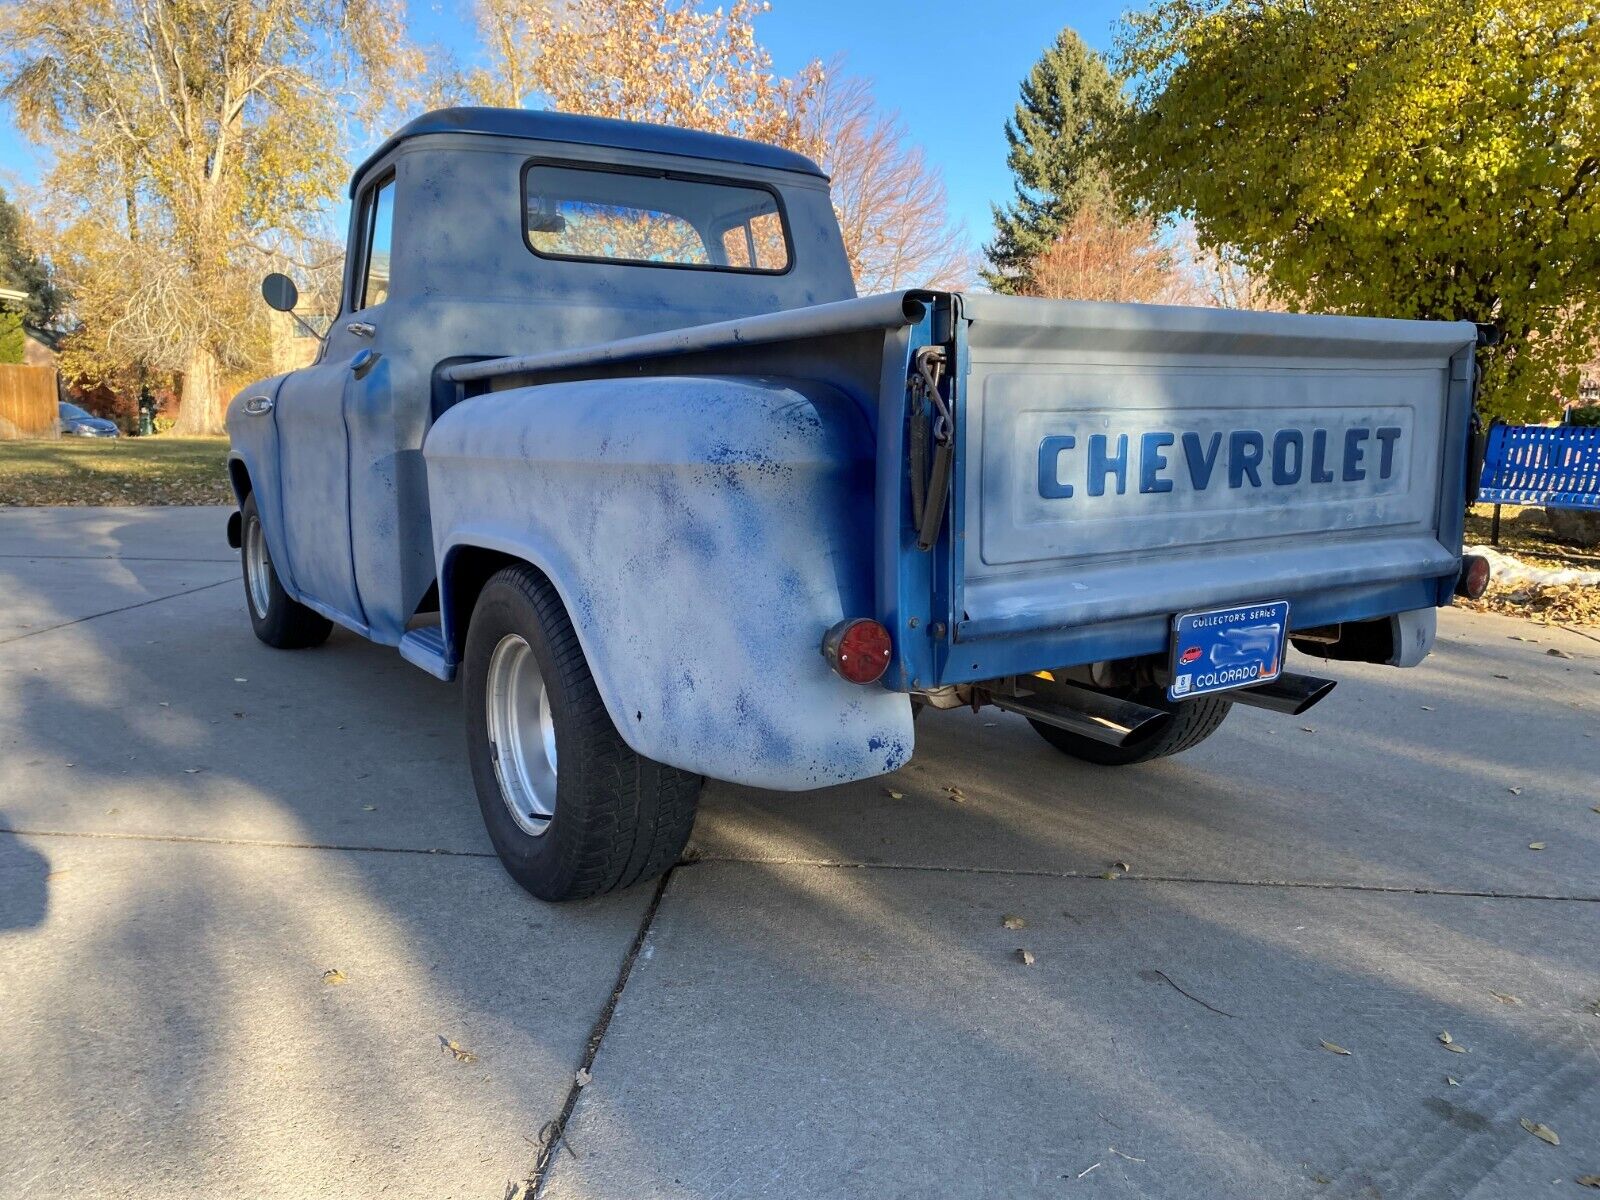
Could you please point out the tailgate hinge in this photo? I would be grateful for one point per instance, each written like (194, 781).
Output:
(932, 425)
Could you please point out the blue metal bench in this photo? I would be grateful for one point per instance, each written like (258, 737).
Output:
(1554, 466)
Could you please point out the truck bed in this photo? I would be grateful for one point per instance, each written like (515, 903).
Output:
(1113, 465)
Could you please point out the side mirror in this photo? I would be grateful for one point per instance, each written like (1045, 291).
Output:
(280, 293)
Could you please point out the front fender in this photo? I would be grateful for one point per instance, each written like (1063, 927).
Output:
(703, 532)
(253, 443)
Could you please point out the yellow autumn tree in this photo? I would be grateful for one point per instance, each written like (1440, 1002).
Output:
(673, 62)
(1404, 159)
(192, 141)
(668, 62)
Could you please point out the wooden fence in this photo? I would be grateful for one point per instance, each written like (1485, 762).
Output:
(27, 402)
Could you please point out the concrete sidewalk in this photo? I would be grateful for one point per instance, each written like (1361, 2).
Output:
(246, 905)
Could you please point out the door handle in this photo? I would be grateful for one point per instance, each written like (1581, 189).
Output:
(258, 406)
(363, 361)
(361, 328)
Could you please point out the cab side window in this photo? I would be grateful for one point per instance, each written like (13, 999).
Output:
(377, 231)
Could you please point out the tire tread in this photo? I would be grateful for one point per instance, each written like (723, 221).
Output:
(636, 813)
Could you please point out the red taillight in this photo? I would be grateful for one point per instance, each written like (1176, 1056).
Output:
(1474, 580)
(858, 650)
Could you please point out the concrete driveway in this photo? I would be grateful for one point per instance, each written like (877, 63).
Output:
(247, 908)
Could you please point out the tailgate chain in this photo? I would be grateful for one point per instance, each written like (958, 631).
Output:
(929, 489)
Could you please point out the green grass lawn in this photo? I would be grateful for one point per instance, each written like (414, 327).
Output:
(147, 470)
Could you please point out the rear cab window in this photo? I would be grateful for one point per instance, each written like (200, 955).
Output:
(653, 218)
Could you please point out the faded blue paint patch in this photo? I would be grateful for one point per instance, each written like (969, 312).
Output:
(700, 563)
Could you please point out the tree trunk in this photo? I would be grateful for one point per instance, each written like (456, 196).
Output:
(201, 409)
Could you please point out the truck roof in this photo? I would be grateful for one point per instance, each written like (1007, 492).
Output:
(592, 131)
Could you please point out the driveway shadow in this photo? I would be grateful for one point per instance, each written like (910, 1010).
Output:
(24, 883)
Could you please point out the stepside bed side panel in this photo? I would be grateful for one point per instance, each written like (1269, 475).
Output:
(704, 533)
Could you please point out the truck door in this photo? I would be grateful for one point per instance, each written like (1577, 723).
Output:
(314, 442)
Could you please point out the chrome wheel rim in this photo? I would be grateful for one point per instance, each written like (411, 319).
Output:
(257, 568)
(522, 734)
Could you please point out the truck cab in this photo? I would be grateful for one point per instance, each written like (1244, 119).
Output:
(602, 429)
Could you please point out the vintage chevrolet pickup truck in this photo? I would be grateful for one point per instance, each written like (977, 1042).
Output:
(601, 426)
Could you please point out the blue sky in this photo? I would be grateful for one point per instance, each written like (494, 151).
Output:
(950, 68)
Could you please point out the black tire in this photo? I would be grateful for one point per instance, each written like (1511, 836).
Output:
(1193, 722)
(283, 622)
(618, 817)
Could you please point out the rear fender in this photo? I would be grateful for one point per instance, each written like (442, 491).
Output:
(703, 533)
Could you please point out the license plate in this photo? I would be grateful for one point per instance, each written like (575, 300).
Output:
(1227, 648)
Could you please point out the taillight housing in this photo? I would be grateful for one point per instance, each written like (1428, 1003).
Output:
(858, 649)
(1474, 579)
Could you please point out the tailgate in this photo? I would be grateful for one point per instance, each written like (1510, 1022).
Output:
(1118, 464)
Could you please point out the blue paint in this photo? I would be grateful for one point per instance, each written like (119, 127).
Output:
(1202, 460)
(1050, 485)
(1152, 461)
(1242, 453)
(1102, 464)
(1285, 440)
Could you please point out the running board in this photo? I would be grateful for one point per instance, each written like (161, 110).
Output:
(425, 648)
(1288, 693)
(1085, 712)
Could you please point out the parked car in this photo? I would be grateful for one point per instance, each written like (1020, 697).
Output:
(602, 429)
(75, 422)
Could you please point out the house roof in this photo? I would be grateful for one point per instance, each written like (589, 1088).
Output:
(592, 131)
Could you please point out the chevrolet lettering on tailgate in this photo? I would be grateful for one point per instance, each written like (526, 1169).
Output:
(1166, 460)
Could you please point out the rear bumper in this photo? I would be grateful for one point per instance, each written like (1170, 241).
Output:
(1127, 587)
(1029, 646)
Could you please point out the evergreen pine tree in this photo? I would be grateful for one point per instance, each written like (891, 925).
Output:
(1054, 137)
(20, 268)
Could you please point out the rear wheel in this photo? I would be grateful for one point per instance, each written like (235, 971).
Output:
(571, 809)
(1193, 721)
(277, 619)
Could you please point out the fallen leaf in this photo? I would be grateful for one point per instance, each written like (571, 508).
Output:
(369, 808)
(1012, 921)
(583, 1077)
(1502, 677)
(1121, 866)
(1111, 875)
(1333, 1048)
(166, 704)
(1450, 1043)
(1025, 957)
(1588, 1181)
(1555, 652)
(1514, 791)
(191, 770)
(1307, 729)
(1452, 1081)
(1596, 808)
(1427, 708)
(894, 795)
(333, 977)
(459, 1053)
(957, 795)
(1535, 845)
(1505, 998)
(1541, 1131)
